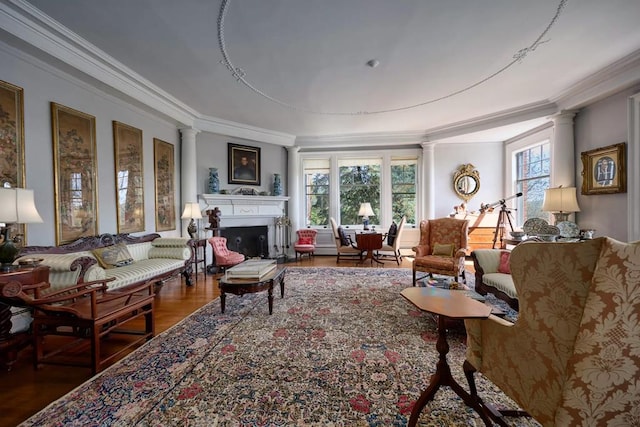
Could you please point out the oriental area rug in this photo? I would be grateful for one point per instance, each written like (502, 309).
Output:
(342, 348)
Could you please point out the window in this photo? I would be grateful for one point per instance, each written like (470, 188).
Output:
(533, 166)
(359, 183)
(403, 189)
(317, 191)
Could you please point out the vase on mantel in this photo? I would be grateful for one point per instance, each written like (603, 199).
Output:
(214, 181)
(277, 185)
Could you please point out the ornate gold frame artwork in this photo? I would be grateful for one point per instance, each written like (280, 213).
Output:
(12, 170)
(127, 146)
(75, 173)
(604, 170)
(165, 195)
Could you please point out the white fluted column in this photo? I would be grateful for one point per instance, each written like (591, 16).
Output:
(428, 181)
(563, 163)
(189, 176)
(293, 184)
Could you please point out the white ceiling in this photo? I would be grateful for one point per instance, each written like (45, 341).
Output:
(447, 68)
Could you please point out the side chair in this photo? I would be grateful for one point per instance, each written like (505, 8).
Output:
(306, 243)
(391, 242)
(223, 257)
(344, 245)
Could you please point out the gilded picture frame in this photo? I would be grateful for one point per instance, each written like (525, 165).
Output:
(129, 173)
(164, 166)
(12, 166)
(244, 164)
(604, 170)
(75, 174)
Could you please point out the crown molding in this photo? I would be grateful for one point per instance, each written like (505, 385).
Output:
(30, 25)
(376, 139)
(618, 76)
(239, 130)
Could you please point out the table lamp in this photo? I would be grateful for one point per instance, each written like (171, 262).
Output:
(561, 202)
(192, 210)
(16, 206)
(365, 212)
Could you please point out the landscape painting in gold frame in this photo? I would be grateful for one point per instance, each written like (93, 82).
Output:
(74, 173)
(12, 170)
(165, 196)
(604, 170)
(127, 145)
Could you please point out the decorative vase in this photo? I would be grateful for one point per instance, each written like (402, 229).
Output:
(214, 182)
(277, 185)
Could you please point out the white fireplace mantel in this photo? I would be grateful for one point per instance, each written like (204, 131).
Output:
(239, 206)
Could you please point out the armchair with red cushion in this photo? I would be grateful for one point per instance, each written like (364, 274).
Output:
(306, 243)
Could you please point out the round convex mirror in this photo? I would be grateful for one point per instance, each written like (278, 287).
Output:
(466, 182)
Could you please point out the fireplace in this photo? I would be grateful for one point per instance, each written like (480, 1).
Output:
(251, 241)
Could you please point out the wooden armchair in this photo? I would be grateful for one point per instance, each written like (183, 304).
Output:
(87, 312)
(442, 247)
(394, 246)
(344, 245)
(572, 358)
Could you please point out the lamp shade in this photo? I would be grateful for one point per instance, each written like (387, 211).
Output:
(365, 210)
(191, 210)
(561, 199)
(17, 206)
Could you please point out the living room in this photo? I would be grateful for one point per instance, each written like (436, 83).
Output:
(51, 57)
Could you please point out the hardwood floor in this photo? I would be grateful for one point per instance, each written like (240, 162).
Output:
(24, 390)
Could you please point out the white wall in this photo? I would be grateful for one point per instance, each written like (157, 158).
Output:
(43, 85)
(487, 159)
(598, 125)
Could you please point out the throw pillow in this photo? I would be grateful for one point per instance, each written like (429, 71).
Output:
(504, 266)
(113, 256)
(391, 235)
(344, 240)
(305, 241)
(442, 249)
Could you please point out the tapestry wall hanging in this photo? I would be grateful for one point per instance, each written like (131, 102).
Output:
(75, 173)
(165, 196)
(127, 144)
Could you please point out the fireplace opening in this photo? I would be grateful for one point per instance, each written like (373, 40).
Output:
(252, 242)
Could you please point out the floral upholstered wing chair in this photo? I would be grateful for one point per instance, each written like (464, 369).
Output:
(573, 356)
(442, 247)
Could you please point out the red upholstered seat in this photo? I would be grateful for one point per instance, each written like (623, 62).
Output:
(223, 256)
(306, 243)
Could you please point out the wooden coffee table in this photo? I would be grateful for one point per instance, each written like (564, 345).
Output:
(249, 286)
(446, 305)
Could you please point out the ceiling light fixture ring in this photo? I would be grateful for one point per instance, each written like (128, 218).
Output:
(240, 75)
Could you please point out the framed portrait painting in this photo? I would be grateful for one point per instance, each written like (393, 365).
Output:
(604, 170)
(12, 169)
(127, 145)
(164, 165)
(244, 164)
(74, 171)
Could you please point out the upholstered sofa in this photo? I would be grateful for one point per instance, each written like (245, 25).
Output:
(490, 278)
(151, 258)
(573, 356)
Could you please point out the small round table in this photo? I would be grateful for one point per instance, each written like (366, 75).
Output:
(369, 242)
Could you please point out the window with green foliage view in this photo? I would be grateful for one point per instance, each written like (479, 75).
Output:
(403, 190)
(359, 183)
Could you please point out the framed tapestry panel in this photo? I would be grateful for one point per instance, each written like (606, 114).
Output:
(604, 170)
(127, 145)
(74, 173)
(165, 195)
(244, 164)
(12, 170)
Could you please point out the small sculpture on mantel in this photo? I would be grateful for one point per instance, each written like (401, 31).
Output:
(214, 218)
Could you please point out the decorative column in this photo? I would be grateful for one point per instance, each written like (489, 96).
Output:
(189, 177)
(563, 163)
(428, 181)
(293, 184)
(633, 171)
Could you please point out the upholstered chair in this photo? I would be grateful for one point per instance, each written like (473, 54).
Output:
(306, 243)
(391, 242)
(224, 258)
(442, 248)
(344, 245)
(573, 356)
